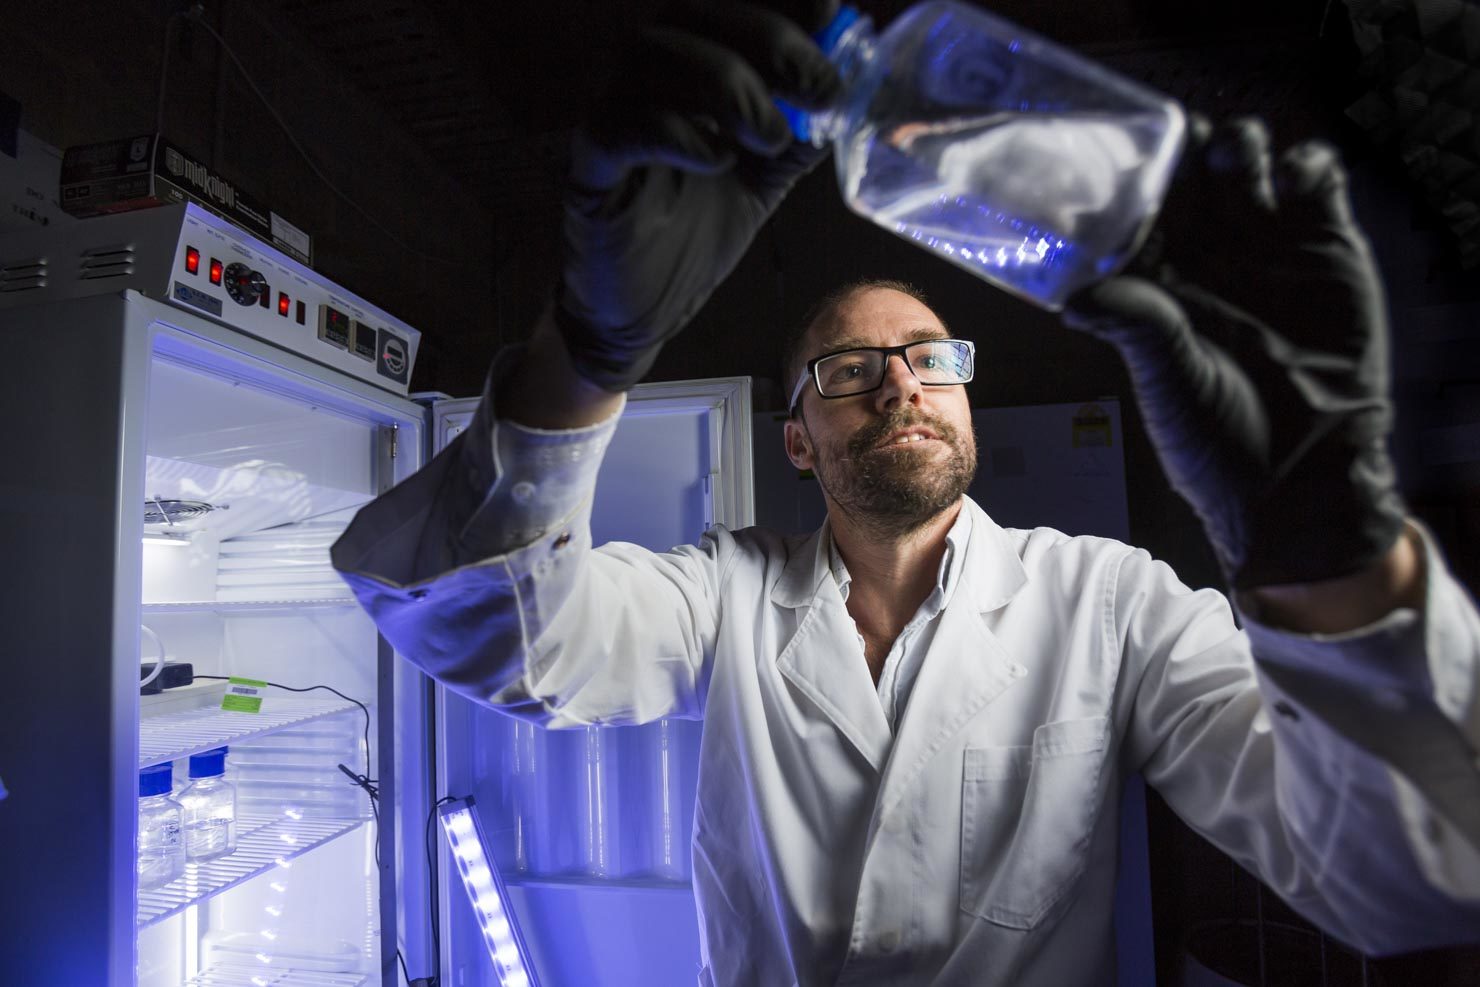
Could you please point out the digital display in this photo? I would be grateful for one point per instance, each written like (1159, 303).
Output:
(364, 341)
(334, 326)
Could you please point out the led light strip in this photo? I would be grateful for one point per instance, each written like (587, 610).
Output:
(486, 891)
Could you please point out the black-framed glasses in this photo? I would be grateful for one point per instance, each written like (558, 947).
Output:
(934, 362)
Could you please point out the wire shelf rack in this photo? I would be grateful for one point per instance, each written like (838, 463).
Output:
(263, 843)
(236, 975)
(180, 733)
(274, 607)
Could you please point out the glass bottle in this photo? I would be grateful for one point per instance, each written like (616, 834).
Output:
(161, 849)
(1004, 153)
(209, 806)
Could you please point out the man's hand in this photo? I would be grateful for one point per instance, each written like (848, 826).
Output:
(1257, 344)
(676, 169)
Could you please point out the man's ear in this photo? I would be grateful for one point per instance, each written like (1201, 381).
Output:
(798, 444)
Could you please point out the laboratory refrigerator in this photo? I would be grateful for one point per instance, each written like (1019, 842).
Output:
(193, 418)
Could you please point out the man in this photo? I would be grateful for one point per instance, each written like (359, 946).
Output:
(917, 722)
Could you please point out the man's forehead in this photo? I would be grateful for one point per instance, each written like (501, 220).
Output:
(873, 317)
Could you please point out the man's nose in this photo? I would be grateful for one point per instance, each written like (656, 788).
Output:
(900, 385)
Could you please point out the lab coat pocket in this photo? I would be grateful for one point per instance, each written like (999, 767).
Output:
(1027, 814)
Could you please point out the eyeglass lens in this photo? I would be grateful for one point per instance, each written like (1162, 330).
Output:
(934, 361)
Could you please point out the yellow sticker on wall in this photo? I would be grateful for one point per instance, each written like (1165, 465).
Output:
(1092, 427)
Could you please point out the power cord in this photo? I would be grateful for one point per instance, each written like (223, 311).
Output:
(372, 789)
(364, 781)
(434, 888)
(195, 13)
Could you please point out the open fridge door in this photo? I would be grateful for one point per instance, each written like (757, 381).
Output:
(590, 828)
(171, 498)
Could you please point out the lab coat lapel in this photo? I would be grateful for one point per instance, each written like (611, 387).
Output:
(824, 659)
(966, 668)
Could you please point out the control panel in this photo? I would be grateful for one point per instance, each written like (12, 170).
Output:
(200, 262)
(229, 275)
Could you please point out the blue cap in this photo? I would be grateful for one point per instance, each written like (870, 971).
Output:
(827, 39)
(208, 764)
(156, 780)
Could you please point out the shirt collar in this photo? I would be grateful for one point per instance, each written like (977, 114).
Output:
(946, 579)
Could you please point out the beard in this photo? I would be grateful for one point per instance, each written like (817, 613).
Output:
(893, 491)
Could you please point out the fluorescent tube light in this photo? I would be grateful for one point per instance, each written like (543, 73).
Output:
(486, 891)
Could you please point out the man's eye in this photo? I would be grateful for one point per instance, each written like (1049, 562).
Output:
(843, 373)
(931, 362)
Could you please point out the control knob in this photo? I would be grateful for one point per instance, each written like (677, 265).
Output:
(243, 284)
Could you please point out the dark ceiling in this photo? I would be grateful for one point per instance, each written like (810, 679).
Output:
(491, 90)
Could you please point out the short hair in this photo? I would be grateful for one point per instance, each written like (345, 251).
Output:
(792, 362)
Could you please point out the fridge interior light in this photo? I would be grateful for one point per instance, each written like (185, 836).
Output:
(486, 892)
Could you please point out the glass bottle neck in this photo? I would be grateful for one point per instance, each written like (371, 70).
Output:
(850, 55)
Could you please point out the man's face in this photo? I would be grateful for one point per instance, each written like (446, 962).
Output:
(894, 458)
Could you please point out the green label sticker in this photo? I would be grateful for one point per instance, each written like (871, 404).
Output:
(243, 695)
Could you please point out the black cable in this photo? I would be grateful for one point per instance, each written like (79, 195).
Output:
(164, 67)
(310, 688)
(434, 888)
(365, 782)
(368, 784)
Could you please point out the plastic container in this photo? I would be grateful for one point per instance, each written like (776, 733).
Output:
(297, 770)
(161, 846)
(208, 804)
(1004, 153)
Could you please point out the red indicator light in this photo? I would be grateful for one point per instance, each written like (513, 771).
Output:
(283, 304)
(215, 271)
(192, 260)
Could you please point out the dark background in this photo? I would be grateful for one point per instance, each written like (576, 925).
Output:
(437, 136)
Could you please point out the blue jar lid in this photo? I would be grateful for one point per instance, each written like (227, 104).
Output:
(208, 764)
(156, 780)
(826, 39)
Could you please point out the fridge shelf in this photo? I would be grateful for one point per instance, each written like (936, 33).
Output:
(236, 975)
(250, 606)
(171, 736)
(263, 843)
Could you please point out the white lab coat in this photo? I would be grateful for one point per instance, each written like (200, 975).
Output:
(978, 845)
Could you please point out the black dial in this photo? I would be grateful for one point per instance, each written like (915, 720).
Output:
(243, 284)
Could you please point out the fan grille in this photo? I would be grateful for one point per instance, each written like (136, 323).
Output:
(159, 511)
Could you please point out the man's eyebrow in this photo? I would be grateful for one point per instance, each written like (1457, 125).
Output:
(858, 342)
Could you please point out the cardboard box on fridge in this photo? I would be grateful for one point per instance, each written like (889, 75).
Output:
(140, 172)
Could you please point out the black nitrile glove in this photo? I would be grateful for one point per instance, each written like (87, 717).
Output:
(1255, 332)
(680, 164)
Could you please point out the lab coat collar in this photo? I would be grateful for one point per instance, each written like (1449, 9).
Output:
(805, 570)
(993, 573)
